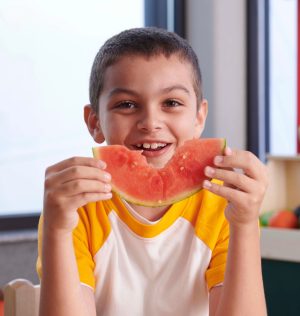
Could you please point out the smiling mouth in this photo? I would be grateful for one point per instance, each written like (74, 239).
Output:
(151, 146)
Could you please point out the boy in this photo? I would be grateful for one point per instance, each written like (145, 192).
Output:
(101, 255)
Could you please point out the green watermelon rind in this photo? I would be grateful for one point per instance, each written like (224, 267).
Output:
(167, 202)
(157, 204)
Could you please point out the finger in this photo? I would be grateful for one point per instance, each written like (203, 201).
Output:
(240, 159)
(228, 152)
(230, 194)
(71, 169)
(84, 198)
(76, 161)
(76, 173)
(231, 178)
(80, 172)
(77, 187)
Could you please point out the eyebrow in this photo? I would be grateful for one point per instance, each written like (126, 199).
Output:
(176, 87)
(122, 90)
(119, 90)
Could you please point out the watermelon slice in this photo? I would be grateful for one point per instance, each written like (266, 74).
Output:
(137, 182)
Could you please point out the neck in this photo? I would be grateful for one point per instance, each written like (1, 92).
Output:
(150, 213)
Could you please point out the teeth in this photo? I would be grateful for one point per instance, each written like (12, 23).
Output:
(152, 145)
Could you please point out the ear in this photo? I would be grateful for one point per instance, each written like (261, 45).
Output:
(201, 118)
(93, 124)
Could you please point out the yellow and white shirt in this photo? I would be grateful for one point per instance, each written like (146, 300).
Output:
(138, 268)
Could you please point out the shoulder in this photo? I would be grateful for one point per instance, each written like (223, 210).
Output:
(211, 224)
(209, 205)
(93, 225)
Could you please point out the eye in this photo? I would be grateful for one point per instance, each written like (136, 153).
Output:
(125, 105)
(172, 103)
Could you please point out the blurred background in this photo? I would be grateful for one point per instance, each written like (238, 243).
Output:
(248, 53)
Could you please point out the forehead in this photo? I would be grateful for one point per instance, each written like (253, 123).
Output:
(155, 70)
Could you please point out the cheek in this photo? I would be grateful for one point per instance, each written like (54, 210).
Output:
(185, 125)
(115, 129)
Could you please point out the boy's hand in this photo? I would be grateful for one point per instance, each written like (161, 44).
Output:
(243, 190)
(69, 185)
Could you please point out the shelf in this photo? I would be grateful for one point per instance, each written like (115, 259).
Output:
(284, 183)
(283, 193)
(280, 244)
(284, 158)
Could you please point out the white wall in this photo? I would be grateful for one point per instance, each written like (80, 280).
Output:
(217, 31)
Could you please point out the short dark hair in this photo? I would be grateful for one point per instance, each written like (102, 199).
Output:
(148, 42)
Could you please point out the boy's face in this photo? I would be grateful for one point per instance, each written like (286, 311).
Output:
(148, 104)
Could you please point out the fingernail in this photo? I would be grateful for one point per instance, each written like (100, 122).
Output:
(108, 196)
(101, 164)
(209, 171)
(107, 176)
(218, 160)
(228, 151)
(207, 184)
(107, 187)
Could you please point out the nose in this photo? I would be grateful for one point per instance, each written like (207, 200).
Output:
(149, 121)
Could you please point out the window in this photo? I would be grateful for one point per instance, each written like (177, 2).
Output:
(283, 76)
(272, 77)
(46, 53)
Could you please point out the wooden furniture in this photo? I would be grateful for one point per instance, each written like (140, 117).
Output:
(21, 298)
(283, 193)
(280, 248)
(284, 187)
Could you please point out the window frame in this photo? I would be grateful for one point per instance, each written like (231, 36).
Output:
(19, 222)
(258, 121)
(167, 14)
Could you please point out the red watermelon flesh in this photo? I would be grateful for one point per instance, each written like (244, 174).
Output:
(138, 182)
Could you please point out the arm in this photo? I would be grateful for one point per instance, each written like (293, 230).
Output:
(243, 287)
(61, 290)
(242, 291)
(68, 185)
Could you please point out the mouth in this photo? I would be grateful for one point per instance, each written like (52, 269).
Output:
(152, 149)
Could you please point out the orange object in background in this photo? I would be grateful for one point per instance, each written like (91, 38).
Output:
(284, 219)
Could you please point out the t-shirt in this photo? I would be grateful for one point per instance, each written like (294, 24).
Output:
(145, 269)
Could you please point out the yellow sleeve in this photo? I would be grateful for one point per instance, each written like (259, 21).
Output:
(216, 270)
(39, 260)
(83, 252)
(89, 236)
